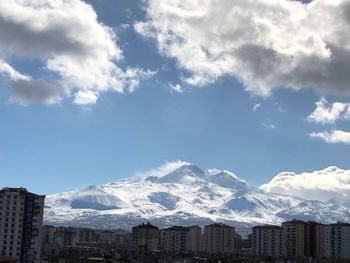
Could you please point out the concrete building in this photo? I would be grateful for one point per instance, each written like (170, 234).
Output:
(303, 239)
(337, 241)
(48, 233)
(267, 241)
(86, 236)
(65, 237)
(21, 218)
(175, 238)
(145, 236)
(219, 239)
(61, 236)
(123, 241)
(314, 240)
(293, 236)
(195, 238)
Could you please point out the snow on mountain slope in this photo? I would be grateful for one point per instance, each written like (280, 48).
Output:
(181, 194)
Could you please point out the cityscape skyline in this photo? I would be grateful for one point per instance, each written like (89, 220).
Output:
(174, 131)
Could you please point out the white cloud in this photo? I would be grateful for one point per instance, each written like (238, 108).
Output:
(266, 44)
(326, 113)
(68, 38)
(269, 125)
(256, 106)
(335, 136)
(27, 91)
(9, 72)
(329, 184)
(176, 88)
(85, 97)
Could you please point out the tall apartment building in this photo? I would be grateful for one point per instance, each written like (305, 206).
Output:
(267, 241)
(337, 241)
(21, 218)
(86, 236)
(145, 236)
(314, 240)
(175, 238)
(293, 236)
(303, 239)
(195, 238)
(219, 238)
(65, 236)
(181, 239)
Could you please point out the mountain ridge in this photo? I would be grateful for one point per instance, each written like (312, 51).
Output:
(184, 194)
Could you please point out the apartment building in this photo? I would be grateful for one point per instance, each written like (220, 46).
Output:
(21, 218)
(337, 241)
(267, 241)
(303, 239)
(65, 236)
(293, 236)
(145, 236)
(219, 238)
(175, 238)
(195, 238)
(86, 236)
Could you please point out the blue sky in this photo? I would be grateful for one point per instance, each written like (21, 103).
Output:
(58, 144)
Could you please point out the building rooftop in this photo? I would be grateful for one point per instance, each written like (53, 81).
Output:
(20, 190)
(268, 227)
(148, 225)
(177, 228)
(218, 225)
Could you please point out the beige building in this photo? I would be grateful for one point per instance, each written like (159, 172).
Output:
(267, 241)
(293, 238)
(175, 238)
(65, 237)
(303, 239)
(21, 218)
(219, 238)
(195, 238)
(145, 236)
(86, 236)
(181, 239)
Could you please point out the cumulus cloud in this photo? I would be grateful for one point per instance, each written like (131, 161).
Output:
(330, 113)
(68, 38)
(266, 44)
(269, 125)
(325, 185)
(327, 113)
(176, 88)
(85, 97)
(9, 72)
(27, 91)
(335, 136)
(256, 106)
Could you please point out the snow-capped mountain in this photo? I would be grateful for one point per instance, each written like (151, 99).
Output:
(185, 194)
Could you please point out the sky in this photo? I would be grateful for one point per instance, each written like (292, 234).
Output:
(96, 91)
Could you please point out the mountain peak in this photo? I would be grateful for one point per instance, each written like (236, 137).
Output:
(191, 169)
(227, 179)
(178, 192)
(185, 174)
